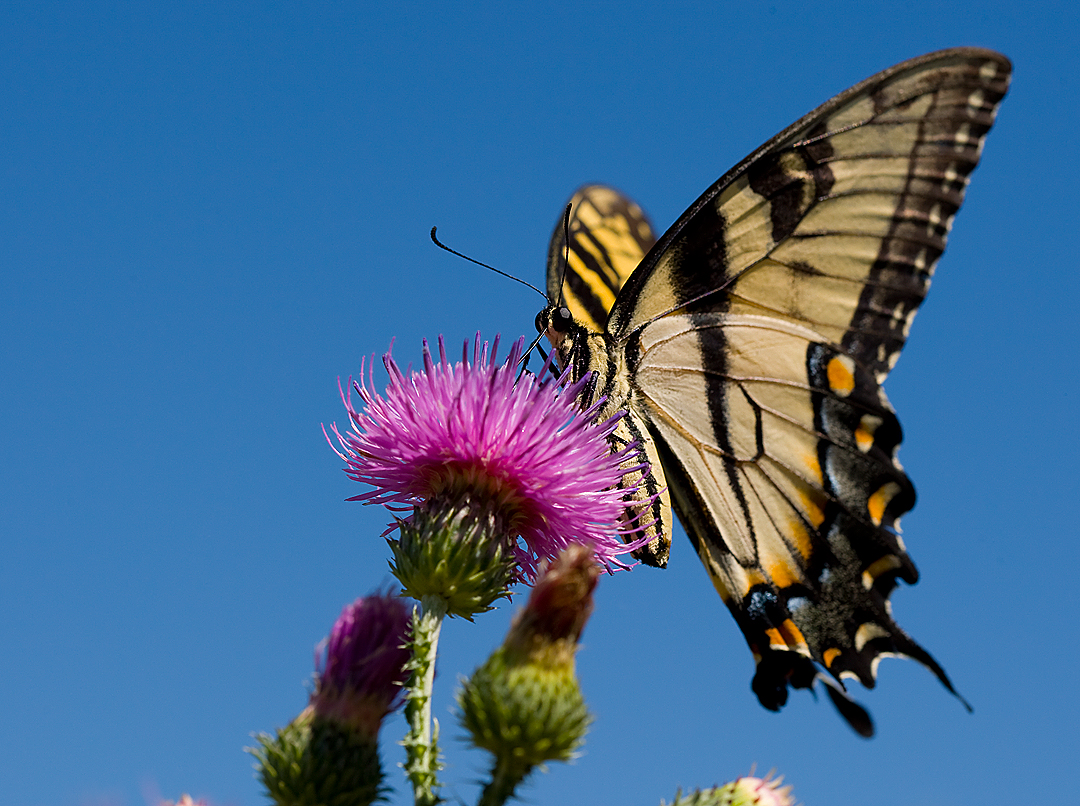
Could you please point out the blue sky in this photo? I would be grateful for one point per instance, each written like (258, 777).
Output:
(209, 212)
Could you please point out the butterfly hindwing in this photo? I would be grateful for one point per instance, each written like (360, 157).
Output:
(751, 342)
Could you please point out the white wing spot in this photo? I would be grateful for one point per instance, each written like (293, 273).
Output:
(867, 632)
(963, 137)
(908, 319)
(949, 222)
(934, 218)
(797, 603)
(877, 658)
(989, 71)
(899, 314)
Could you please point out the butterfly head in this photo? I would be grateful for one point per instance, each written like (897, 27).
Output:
(555, 318)
(557, 323)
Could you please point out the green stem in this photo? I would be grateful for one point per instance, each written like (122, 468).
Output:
(421, 742)
(505, 777)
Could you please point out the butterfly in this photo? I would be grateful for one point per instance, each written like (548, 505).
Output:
(749, 345)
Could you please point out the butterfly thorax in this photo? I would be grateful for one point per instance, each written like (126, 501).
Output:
(584, 352)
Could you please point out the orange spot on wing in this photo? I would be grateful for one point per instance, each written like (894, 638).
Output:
(864, 434)
(787, 636)
(814, 513)
(863, 439)
(782, 574)
(841, 374)
(754, 577)
(800, 537)
(775, 639)
(792, 636)
(880, 499)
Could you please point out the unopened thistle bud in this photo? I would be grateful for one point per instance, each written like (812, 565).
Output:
(524, 704)
(329, 753)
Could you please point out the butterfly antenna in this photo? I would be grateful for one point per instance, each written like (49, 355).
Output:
(566, 250)
(566, 262)
(441, 245)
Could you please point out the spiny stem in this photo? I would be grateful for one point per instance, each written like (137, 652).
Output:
(505, 777)
(421, 742)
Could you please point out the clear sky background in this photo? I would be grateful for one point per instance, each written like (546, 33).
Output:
(209, 212)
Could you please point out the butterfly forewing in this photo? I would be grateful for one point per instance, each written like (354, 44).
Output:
(859, 193)
(751, 343)
(609, 235)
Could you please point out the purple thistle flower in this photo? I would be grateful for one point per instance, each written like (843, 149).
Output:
(475, 431)
(361, 667)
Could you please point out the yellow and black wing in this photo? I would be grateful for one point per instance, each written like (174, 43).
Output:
(755, 336)
(609, 236)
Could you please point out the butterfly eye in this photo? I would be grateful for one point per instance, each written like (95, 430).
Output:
(562, 320)
(541, 322)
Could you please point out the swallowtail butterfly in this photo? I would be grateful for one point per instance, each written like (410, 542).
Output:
(749, 345)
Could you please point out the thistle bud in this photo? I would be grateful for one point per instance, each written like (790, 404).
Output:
(362, 668)
(524, 705)
(748, 791)
(330, 753)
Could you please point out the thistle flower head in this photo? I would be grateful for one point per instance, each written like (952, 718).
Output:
(478, 433)
(361, 666)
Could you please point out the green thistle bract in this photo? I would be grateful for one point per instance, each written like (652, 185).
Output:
(453, 552)
(318, 762)
(527, 712)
